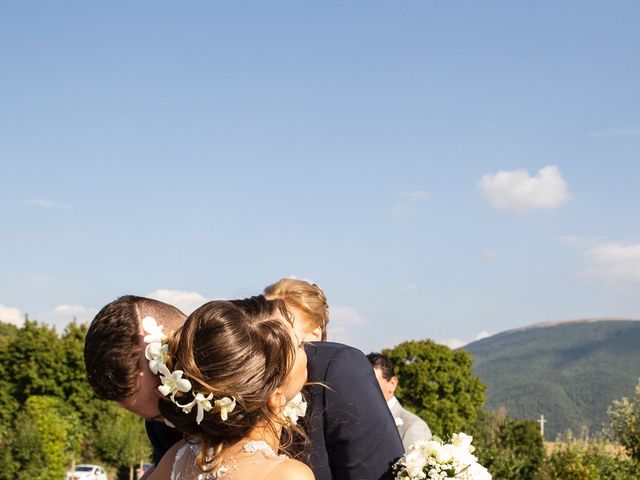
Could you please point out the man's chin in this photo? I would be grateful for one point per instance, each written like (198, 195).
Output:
(148, 414)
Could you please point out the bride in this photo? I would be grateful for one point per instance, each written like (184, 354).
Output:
(227, 379)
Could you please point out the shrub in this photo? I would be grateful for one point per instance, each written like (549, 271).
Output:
(508, 448)
(581, 461)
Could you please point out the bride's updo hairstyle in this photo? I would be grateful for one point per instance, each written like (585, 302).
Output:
(238, 349)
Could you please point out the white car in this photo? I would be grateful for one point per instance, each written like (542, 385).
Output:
(86, 472)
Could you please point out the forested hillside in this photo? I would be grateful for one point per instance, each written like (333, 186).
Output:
(569, 372)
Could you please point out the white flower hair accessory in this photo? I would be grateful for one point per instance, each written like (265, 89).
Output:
(295, 409)
(172, 382)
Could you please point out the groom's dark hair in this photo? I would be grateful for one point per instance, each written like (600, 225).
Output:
(113, 344)
(382, 363)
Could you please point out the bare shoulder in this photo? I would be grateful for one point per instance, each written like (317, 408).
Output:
(162, 471)
(291, 469)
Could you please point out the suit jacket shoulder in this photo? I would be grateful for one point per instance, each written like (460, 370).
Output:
(411, 427)
(162, 438)
(353, 435)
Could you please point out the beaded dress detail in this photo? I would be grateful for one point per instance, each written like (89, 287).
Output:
(256, 460)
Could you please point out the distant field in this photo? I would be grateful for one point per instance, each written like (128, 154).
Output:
(612, 448)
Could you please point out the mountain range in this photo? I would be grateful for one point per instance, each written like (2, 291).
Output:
(570, 372)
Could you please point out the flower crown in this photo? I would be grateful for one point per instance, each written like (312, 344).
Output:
(157, 353)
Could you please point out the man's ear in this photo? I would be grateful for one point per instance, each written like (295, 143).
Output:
(393, 383)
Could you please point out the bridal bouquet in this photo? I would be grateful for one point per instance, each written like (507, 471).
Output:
(436, 460)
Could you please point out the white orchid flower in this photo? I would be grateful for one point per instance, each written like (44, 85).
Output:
(186, 408)
(225, 406)
(157, 354)
(154, 331)
(173, 382)
(295, 409)
(204, 405)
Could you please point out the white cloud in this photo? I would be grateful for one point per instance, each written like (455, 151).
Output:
(408, 287)
(63, 314)
(49, 204)
(518, 191)
(407, 201)
(415, 195)
(483, 334)
(616, 132)
(454, 343)
(11, 315)
(344, 324)
(185, 301)
(614, 264)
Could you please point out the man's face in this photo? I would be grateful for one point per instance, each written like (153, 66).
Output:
(297, 377)
(144, 402)
(388, 386)
(305, 328)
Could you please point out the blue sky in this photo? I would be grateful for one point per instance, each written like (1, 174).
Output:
(442, 169)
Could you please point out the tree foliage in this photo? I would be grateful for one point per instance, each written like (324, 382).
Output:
(120, 441)
(49, 415)
(508, 448)
(625, 422)
(587, 461)
(34, 362)
(437, 384)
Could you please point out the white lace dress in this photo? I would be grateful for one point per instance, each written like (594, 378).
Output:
(256, 461)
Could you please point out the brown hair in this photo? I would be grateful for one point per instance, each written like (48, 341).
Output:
(235, 349)
(308, 297)
(112, 346)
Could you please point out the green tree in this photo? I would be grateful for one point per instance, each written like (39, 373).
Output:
(508, 448)
(7, 334)
(587, 461)
(76, 389)
(45, 438)
(8, 410)
(26, 456)
(625, 423)
(437, 384)
(120, 438)
(35, 361)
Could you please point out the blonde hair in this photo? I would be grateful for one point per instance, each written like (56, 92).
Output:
(305, 296)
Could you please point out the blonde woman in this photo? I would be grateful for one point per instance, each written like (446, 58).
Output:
(307, 304)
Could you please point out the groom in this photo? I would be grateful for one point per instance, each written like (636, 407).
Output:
(352, 432)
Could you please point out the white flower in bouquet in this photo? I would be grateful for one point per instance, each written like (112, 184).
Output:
(478, 472)
(463, 441)
(436, 460)
(414, 463)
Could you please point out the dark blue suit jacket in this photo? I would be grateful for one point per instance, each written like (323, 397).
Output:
(352, 432)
